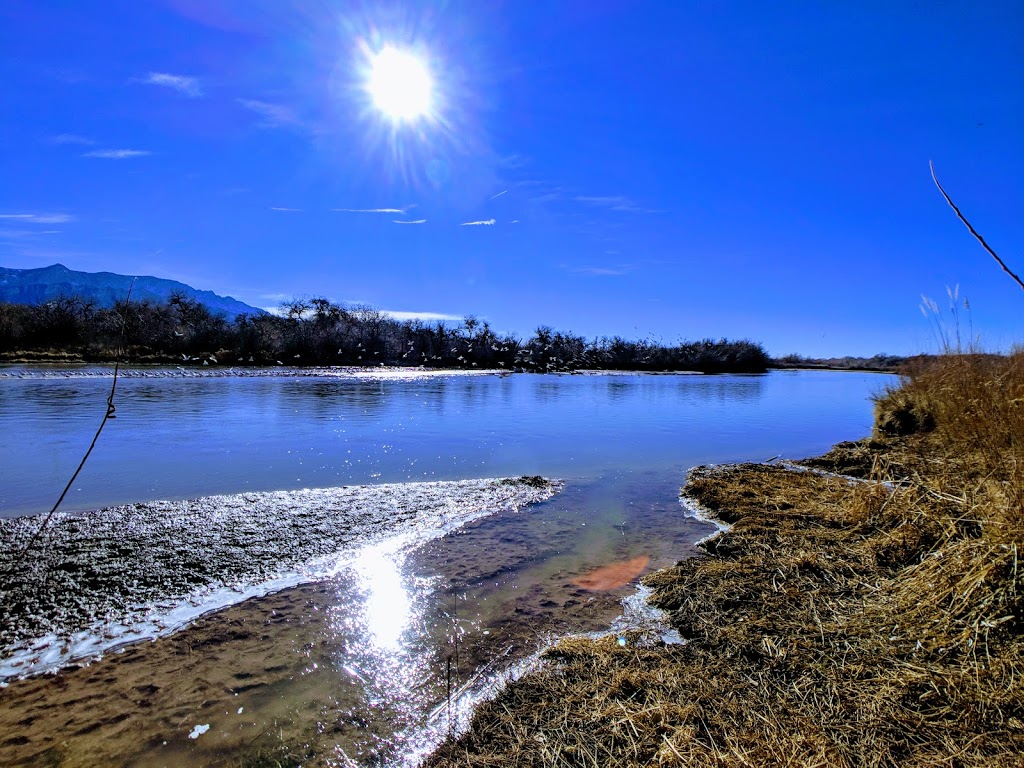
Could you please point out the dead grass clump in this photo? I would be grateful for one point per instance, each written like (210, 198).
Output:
(40, 356)
(903, 412)
(978, 401)
(842, 623)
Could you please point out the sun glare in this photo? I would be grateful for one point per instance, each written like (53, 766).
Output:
(400, 85)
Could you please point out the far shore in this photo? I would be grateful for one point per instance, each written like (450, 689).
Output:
(22, 367)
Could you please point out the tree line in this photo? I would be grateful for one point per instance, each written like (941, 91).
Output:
(320, 332)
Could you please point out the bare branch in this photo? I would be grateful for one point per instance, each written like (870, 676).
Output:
(106, 417)
(978, 237)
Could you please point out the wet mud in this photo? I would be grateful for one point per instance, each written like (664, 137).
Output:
(364, 667)
(93, 580)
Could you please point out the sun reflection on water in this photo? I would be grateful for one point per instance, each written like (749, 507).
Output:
(387, 606)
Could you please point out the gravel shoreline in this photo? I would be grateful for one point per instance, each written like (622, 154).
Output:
(92, 371)
(381, 373)
(97, 581)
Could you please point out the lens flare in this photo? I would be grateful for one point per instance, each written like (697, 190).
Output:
(400, 85)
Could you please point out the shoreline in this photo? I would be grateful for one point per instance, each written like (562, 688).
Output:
(172, 371)
(807, 640)
(101, 371)
(72, 370)
(262, 655)
(119, 575)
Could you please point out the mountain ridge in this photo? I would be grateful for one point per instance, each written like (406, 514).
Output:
(43, 284)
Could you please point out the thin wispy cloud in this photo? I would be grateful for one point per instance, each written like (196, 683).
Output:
(38, 218)
(117, 154)
(418, 221)
(546, 197)
(272, 115)
(426, 316)
(183, 84)
(504, 191)
(71, 138)
(612, 203)
(287, 210)
(487, 223)
(602, 271)
(19, 234)
(373, 210)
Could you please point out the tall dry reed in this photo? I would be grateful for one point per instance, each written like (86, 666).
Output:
(874, 623)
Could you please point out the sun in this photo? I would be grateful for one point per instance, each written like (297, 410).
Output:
(400, 85)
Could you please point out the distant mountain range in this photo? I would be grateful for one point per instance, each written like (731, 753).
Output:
(37, 286)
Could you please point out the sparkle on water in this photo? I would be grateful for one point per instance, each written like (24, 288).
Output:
(387, 605)
(358, 665)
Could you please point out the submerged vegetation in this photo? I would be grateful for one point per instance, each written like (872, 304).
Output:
(319, 332)
(874, 621)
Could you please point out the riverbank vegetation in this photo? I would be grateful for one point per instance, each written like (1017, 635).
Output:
(319, 332)
(867, 622)
(879, 363)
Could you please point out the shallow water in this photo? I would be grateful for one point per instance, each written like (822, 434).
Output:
(359, 666)
(94, 581)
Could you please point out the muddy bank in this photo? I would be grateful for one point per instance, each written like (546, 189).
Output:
(356, 664)
(94, 581)
(834, 622)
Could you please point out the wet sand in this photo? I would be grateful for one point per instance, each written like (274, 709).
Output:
(320, 671)
(93, 581)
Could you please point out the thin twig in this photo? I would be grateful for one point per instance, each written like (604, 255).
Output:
(106, 417)
(978, 237)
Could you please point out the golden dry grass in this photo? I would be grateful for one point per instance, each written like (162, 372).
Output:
(837, 623)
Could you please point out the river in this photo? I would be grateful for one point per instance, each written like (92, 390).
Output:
(367, 664)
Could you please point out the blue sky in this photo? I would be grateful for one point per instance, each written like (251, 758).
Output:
(666, 170)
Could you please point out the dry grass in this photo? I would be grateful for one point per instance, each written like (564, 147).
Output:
(874, 623)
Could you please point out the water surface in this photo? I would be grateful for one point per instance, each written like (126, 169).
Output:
(186, 437)
(360, 666)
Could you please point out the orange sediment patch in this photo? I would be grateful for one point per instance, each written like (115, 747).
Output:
(613, 575)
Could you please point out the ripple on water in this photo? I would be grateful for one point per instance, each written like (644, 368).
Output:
(377, 662)
(97, 581)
